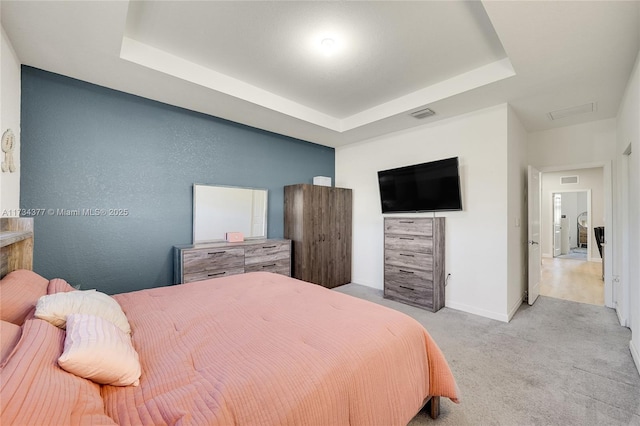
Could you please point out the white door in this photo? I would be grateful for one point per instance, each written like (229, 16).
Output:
(557, 225)
(533, 191)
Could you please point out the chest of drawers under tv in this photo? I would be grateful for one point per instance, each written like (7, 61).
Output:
(414, 261)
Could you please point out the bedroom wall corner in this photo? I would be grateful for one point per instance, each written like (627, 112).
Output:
(516, 212)
(476, 238)
(10, 82)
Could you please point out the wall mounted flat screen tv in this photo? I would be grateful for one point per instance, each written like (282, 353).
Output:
(426, 187)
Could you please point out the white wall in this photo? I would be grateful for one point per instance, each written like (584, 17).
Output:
(476, 238)
(587, 179)
(9, 119)
(516, 213)
(627, 245)
(581, 144)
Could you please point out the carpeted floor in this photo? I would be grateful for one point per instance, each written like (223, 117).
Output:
(556, 363)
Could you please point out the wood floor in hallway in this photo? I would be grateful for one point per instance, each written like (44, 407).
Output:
(569, 279)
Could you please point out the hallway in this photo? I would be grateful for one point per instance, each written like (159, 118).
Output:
(570, 279)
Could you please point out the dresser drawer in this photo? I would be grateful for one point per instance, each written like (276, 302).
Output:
(267, 253)
(408, 259)
(280, 266)
(212, 259)
(207, 275)
(421, 297)
(423, 227)
(408, 243)
(413, 278)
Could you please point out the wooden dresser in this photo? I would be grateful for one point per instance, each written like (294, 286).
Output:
(204, 261)
(414, 261)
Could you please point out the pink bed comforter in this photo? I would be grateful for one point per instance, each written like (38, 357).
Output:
(264, 349)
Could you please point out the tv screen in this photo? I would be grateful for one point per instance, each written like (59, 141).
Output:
(426, 187)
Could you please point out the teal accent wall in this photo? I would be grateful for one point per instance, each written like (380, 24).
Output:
(88, 147)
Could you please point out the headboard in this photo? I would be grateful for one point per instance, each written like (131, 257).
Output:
(16, 244)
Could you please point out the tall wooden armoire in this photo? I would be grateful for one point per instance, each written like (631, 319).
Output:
(317, 219)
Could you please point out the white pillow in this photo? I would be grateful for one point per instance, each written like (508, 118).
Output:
(54, 308)
(96, 349)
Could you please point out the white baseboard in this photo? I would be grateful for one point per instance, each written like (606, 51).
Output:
(635, 354)
(620, 319)
(477, 311)
(514, 308)
(547, 256)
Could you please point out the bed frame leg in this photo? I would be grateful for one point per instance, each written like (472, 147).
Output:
(434, 407)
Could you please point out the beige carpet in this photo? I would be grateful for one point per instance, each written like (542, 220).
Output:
(556, 363)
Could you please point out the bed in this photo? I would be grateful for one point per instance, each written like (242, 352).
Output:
(251, 349)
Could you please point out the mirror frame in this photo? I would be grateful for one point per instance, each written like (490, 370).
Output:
(215, 240)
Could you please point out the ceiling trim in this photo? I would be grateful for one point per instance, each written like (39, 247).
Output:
(167, 63)
(161, 61)
(461, 83)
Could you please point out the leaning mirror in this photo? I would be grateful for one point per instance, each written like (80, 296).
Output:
(221, 209)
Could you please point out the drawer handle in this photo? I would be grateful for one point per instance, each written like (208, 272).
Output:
(408, 255)
(405, 272)
(268, 246)
(268, 266)
(218, 252)
(406, 221)
(406, 238)
(408, 288)
(217, 273)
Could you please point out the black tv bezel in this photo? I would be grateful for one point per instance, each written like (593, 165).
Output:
(414, 166)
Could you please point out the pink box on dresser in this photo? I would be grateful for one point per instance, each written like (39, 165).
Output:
(234, 237)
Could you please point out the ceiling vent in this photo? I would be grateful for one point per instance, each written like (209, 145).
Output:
(576, 110)
(568, 179)
(423, 113)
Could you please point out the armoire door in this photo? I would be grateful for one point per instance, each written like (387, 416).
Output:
(340, 243)
(320, 211)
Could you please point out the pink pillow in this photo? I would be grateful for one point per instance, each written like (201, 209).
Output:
(98, 350)
(35, 391)
(58, 285)
(20, 291)
(9, 336)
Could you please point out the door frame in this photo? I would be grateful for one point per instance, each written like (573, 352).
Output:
(621, 290)
(534, 251)
(590, 237)
(608, 219)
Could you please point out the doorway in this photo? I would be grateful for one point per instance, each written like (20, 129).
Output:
(571, 263)
(571, 213)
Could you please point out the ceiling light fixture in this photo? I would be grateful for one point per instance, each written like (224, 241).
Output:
(328, 43)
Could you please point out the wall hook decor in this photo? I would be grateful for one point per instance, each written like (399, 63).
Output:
(8, 143)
